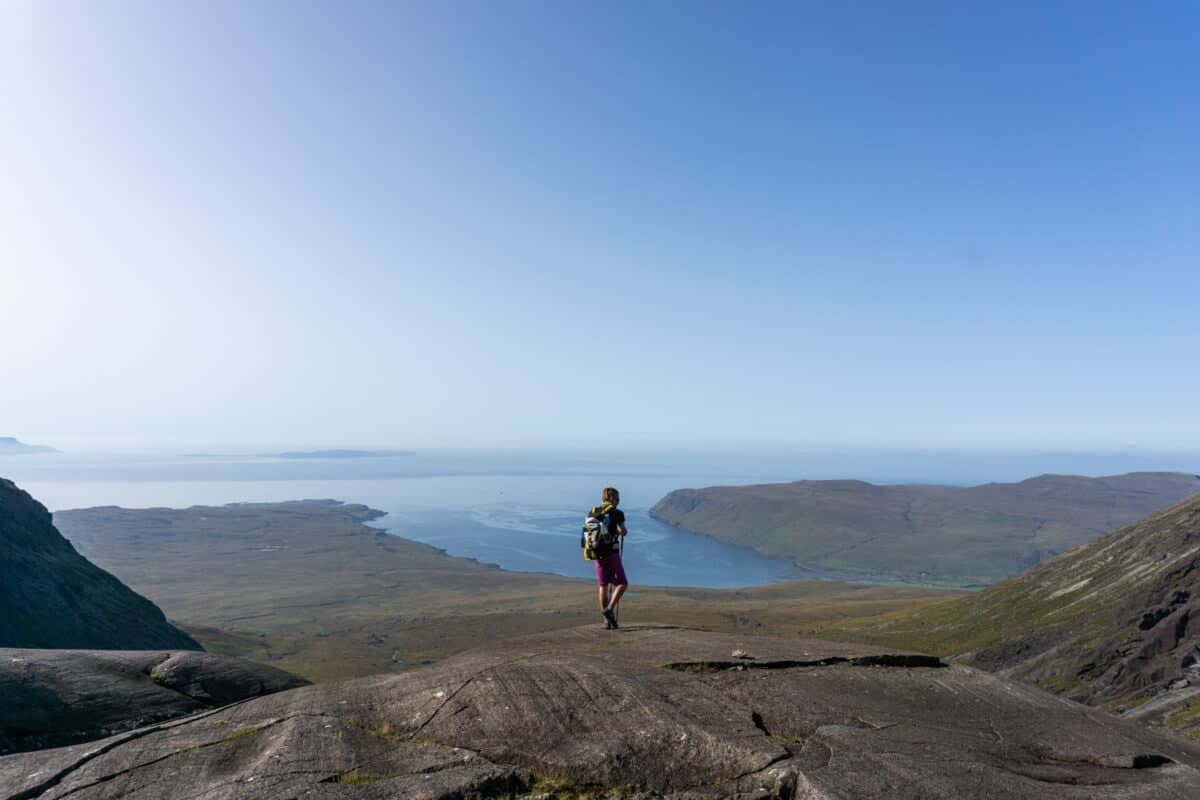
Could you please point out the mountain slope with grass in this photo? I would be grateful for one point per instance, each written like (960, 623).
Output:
(938, 534)
(51, 596)
(1113, 623)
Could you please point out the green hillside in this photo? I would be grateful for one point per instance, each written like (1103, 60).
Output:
(1114, 623)
(970, 536)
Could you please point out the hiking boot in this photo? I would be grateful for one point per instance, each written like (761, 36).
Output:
(610, 619)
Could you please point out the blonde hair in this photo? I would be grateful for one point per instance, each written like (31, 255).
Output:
(610, 495)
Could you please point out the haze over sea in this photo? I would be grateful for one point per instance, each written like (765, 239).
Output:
(522, 510)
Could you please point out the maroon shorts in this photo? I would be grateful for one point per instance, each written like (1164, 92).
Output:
(609, 570)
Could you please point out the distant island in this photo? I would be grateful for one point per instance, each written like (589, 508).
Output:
(346, 453)
(9, 445)
(313, 454)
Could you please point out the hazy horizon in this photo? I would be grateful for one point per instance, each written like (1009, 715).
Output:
(625, 226)
(236, 464)
(268, 447)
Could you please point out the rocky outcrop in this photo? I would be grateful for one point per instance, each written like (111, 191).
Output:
(51, 596)
(646, 711)
(1116, 621)
(958, 535)
(59, 697)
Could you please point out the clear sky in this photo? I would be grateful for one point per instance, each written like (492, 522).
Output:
(636, 224)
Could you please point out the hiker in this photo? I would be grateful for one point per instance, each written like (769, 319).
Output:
(606, 549)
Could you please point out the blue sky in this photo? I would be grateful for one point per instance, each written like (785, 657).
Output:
(562, 223)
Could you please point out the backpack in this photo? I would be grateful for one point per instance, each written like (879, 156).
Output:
(596, 539)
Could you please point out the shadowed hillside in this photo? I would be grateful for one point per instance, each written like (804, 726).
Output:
(50, 596)
(939, 534)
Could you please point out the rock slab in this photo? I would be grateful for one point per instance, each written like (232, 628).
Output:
(646, 711)
(59, 697)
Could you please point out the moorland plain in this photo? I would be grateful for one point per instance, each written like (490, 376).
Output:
(309, 587)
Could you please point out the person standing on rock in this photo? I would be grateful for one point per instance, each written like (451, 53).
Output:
(610, 573)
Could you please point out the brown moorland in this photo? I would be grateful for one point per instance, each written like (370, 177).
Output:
(308, 587)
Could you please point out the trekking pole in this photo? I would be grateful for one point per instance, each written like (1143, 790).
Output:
(621, 551)
(616, 609)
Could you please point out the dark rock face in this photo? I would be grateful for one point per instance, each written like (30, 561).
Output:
(59, 697)
(53, 597)
(591, 711)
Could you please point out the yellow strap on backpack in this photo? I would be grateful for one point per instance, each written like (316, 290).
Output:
(589, 554)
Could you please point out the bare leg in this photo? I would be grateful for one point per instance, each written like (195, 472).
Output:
(603, 597)
(618, 590)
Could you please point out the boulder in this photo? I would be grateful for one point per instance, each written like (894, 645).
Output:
(59, 697)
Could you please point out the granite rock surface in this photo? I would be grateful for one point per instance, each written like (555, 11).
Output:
(646, 711)
(60, 697)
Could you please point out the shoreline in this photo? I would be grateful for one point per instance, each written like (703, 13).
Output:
(834, 576)
(782, 570)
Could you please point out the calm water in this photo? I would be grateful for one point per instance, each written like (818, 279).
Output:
(520, 512)
(545, 538)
